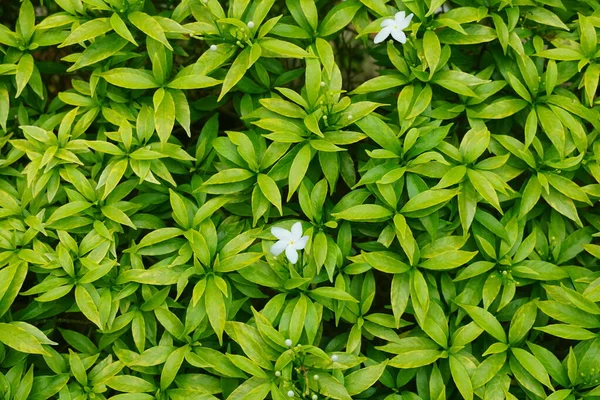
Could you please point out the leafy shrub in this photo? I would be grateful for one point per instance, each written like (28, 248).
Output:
(249, 199)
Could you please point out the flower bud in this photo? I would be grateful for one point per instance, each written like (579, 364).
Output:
(250, 24)
(288, 342)
(290, 393)
(335, 358)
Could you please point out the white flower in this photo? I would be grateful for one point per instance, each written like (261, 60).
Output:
(290, 393)
(314, 397)
(394, 26)
(288, 342)
(335, 358)
(213, 47)
(444, 8)
(289, 241)
(250, 24)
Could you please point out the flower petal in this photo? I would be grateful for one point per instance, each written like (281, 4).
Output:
(399, 36)
(399, 17)
(296, 231)
(387, 22)
(279, 247)
(291, 254)
(281, 234)
(301, 243)
(405, 22)
(382, 35)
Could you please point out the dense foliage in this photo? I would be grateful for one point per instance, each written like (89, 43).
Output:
(250, 199)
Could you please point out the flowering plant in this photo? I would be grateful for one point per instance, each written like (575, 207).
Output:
(306, 199)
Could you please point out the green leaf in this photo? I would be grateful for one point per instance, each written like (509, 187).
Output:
(164, 114)
(236, 72)
(88, 31)
(171, 367)
(501, 109)
(25, 385)
(111, 176)
(562, 54)
(129, 384)
(432, 50)
(254, 388)
(100, 50)
(359, 381)
(310, 13)
(483, 186)
(545, 17)
(399, 293)
(25, 69)
(20, 340)
(269, 189)
(297, 319)
(521, 322)
(117, 215)
(77, 368)
(215, 308)
(364, 213)
(46, 386)
(428, 198)
(587, 32)
(448, 260)
(333, 293)
(486, 321)
(193, 82)
(415, 359)
(533, 366)
(569, 314)
(283, 107)
(119, 26)
(562, 204)
(278, 48)
(298, 169)
(149, 26)
(230, 175)
(68, 210)
(488, 369)
(87, 305)
(338, 17)
(461, 378)
(130, 78)
(387, 262)
(566, 331)
(237, 262)
(12, 278)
